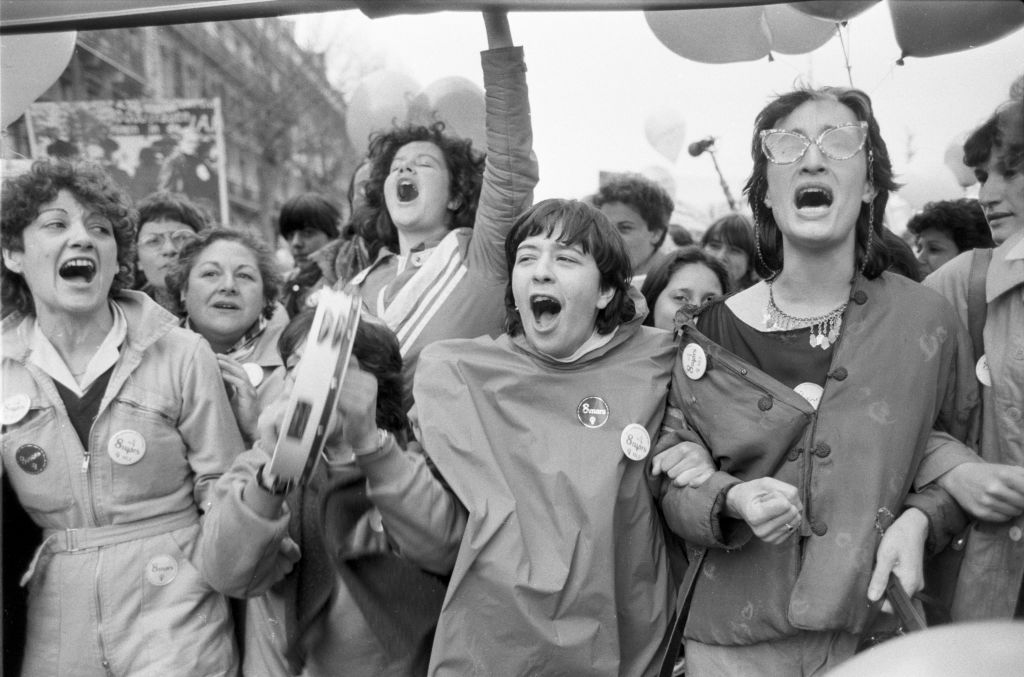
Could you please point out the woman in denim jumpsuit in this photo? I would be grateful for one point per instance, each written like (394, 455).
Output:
(113, 432)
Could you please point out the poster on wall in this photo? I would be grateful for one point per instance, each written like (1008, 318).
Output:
(145, 145)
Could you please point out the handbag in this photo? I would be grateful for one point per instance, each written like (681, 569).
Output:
(905, 617)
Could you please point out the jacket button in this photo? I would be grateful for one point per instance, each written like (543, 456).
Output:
(860, 297)
(819, 528)
(839, 373)
(765, 403)
(794, 454)
(822, 450)
(1013, 413)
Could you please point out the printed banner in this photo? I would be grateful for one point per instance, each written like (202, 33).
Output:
(146, 145)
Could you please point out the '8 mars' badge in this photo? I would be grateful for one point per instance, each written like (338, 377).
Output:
(592, 412)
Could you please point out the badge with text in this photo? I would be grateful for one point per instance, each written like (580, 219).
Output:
(811, 392)
(14, 409)
(254, 372)
(982, 371)
(126, 447)
(592, 412)
(31, 459)
(695, 361)
(635, 442)
(161, 570)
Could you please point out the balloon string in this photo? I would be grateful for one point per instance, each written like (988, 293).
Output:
(846, 52)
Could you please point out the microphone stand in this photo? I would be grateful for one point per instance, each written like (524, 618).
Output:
(721, 180)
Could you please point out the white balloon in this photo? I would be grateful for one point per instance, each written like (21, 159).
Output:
(666, 131)
(380, 101)
(29, 64)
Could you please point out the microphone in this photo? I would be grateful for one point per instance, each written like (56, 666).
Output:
(698, 147)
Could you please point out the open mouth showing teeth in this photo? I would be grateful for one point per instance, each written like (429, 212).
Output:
(407, 191)
(813, 197)
(78, 268)
(223, 305)
(545, 309)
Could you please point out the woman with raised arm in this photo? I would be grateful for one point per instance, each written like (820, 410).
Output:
(447, 210)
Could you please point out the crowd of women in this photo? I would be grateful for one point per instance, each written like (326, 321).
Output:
(560, 449)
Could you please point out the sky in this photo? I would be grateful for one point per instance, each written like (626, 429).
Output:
(596, 79)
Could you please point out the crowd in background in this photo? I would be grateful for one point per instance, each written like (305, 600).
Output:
(557, 415)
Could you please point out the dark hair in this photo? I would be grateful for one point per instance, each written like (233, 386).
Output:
(645, 197)
(901, 257)
(1002, 134)
(680, 235)
(22, 197)
(658, 278)
(734, 230)
(172, 207)
(308, 210)
(376, 348)
(962, 221)
(879, 174)
(177, 279)
(583, 225)
(465, 166)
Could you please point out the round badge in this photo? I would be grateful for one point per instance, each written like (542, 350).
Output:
(14, 409)
(126, 447)
(161, 570)
(695, 361)
(592, 412)
(635, 442)
(810, 392)
(31, 459)
(254, 372)
(982, 371)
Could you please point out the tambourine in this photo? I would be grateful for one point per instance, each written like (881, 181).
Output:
(318, 378)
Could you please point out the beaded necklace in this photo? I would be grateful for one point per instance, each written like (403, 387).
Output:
(824, 328)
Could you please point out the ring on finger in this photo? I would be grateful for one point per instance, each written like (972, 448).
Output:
(789, 527)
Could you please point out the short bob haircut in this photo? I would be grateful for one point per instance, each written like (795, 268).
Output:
(658, 278)
(177, 279)
(880, 175)
(962, 221)
(376, 348)
(734, 230)
(645, 197)
(581, 225)
(165, 205)
(1003, 135)
(308, 210)
(465, 168)
(25, 194)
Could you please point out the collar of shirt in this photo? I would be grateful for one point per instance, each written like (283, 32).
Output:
(46, 357)
(1006, 270)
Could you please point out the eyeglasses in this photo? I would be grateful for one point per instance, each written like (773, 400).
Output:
(178, 238)
(784, 147)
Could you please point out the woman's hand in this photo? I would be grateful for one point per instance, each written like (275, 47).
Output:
(771, 507)
(901, 551)
(993, 492)
(686, 464)
(242, 394)
(356, 412)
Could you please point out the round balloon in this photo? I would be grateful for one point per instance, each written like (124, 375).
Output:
(833, 10)
(666, 132)
(29, 64)
(718, 35)
(927, 28)
(925, 181)
(954, 159)
(459, 103)
(792, 32)
(379, 101)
